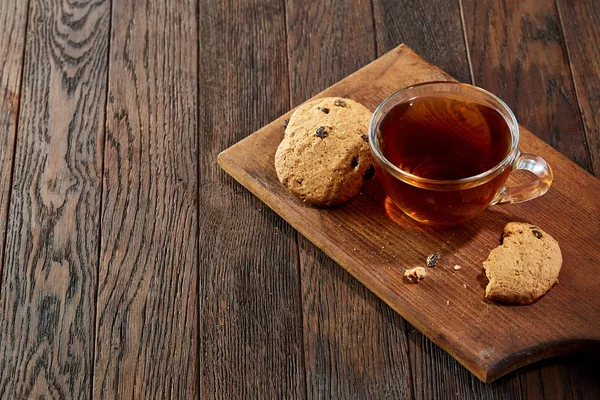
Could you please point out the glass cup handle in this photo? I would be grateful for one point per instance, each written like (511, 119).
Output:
(539, 186)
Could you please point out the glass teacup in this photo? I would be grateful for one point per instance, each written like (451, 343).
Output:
(443, 152)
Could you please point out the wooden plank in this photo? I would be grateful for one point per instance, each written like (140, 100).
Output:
(439, 376)
(574, 377)
(434, 30)
(250, 321)
(146, 321)
(323, 47)
(489, 339)
(354, 345)
(581, 29)
(13, 16)
(518, 51)
(49, 280)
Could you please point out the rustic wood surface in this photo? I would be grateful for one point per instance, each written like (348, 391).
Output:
(250, 332)
(118, 282)
(13, 17)
(580, 23)
(48, 291)
(147, 298)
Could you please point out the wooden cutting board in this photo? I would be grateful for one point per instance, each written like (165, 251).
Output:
(375, 242)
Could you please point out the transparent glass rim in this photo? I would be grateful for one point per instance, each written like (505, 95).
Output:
(436, 87)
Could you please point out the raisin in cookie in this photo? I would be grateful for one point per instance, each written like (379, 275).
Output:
(524, 267)
(324, 157)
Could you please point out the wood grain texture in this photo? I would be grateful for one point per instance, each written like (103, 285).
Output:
(355, 346)
(49, 280)
(146, 324)
(13, 17)
(234, 318)
(517, 52)
(434, 30)
(323, 46)
(439, 376)
(575, 377)
(581, 29)
(487, 338)
(250, 316)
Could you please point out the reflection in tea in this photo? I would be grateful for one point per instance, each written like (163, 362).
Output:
(443, 138)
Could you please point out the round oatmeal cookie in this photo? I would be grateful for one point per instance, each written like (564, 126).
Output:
(524, 267)
(324, 157)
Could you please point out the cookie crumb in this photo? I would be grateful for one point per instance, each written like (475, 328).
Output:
(414, 275)
(447, 302)
(465, 285)
(457, 267)
(433, 259)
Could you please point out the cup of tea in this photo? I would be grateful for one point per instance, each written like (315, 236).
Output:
(444, 150)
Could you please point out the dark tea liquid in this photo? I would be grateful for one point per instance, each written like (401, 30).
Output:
(443, 137)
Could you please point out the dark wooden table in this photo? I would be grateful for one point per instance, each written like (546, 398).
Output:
(133, 267)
